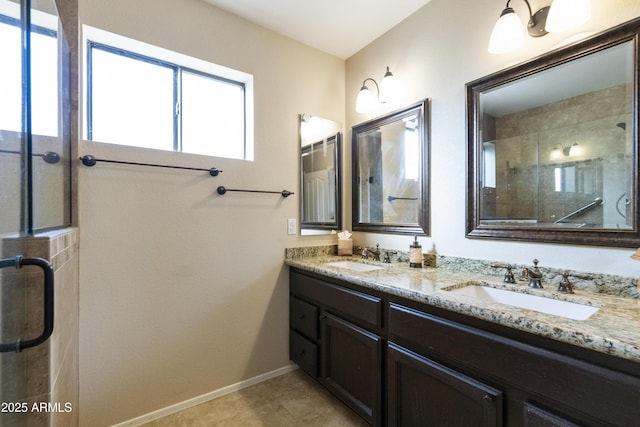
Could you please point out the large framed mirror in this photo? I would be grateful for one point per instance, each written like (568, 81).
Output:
(320, 175)
(553, 146)
(390, 186)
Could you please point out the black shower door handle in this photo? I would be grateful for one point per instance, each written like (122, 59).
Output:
(47, 269)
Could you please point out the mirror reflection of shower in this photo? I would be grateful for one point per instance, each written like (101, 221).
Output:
(320, 166)
(623, 203)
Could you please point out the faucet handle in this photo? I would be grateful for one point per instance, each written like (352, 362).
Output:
(565, 285)
(508, 275)
(535, 263)
(387, 256)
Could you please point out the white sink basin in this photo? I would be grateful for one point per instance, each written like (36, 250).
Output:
(566, 309)
(355, 266)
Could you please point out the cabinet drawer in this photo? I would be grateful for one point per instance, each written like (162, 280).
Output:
(350, 304)
(304, 353)
(303, 317)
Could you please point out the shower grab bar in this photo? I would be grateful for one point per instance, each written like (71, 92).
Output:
(48, 156)
(392, 198)
(47, 330)
(596, 202)
(284, 193)
(89, 160)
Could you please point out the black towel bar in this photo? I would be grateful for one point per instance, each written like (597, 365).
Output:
(48, 156)
(392, 198)
(283, 193)
(89, 160)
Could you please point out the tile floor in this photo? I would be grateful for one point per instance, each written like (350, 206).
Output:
(290, 400)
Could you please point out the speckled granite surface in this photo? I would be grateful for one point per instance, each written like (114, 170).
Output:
(614, 329)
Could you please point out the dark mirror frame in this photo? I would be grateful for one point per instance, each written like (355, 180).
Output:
(626, 32)
(422, 226)
(334, 142)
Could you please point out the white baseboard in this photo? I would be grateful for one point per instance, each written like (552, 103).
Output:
(151, 416)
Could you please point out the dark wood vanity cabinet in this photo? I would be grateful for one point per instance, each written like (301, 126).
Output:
(398, 362)
(335, 337)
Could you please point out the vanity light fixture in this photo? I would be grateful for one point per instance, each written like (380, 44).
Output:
(568, 151)
(565, 15)
(562, 15)
(366, 100)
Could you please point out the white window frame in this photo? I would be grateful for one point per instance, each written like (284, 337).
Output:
(91, 34)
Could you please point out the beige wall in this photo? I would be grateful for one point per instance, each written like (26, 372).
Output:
(183, 291)
(434, 53)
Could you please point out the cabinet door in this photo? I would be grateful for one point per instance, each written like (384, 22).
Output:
(422, 392)
(351, 366)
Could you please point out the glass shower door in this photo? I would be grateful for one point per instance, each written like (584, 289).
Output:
(34, 185)
(13, 208)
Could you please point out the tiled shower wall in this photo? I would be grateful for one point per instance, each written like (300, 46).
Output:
(524, 141)
(51, 368)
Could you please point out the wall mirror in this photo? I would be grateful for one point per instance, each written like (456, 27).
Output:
(552, 146)
(390, 172)
(321, 175)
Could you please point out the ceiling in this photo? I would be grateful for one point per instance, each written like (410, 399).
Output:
(338, 27)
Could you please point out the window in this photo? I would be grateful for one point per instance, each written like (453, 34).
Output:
(148, 97)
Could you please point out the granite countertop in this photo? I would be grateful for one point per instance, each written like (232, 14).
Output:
(613, 330)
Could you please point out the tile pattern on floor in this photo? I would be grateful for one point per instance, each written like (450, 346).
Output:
(290, 400)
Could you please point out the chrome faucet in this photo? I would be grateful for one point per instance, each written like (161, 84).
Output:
(375, 252)
(535, 275)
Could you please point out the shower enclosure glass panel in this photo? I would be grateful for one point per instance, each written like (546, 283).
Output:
(34, 166)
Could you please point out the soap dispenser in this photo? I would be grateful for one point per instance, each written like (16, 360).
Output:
(415, 254)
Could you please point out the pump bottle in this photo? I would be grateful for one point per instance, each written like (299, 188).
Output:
(415, 254)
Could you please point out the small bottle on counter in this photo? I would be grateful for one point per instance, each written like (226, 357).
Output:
(415, 254)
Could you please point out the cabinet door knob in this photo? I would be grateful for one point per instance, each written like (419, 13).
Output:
(323, 316)
(488, 398)
(302, 316)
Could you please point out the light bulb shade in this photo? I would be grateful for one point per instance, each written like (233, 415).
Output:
(366, 101)
(507, 34)
(565, 15)
(575, 150)
(388, 87)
